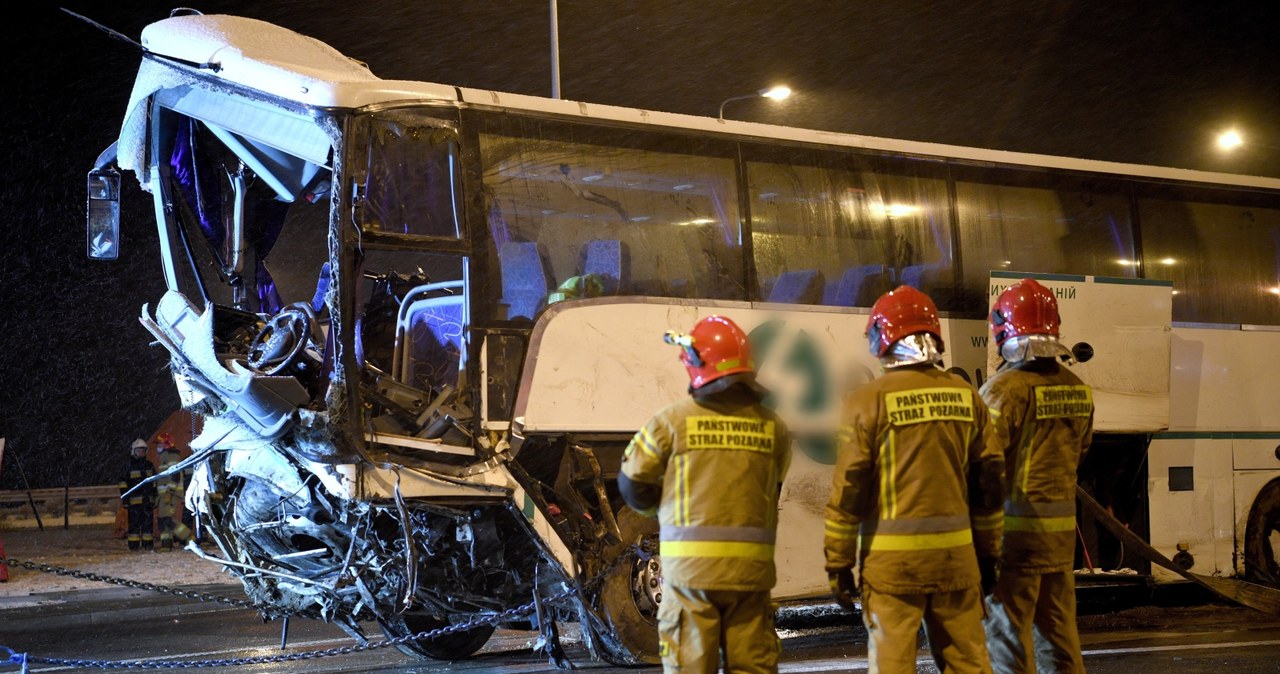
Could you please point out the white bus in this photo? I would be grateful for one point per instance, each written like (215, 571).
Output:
(420, 323)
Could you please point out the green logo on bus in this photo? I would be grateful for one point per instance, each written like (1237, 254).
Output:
(802, 359)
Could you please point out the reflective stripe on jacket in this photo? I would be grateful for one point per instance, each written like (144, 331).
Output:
(901, 503)
(170, 490)
(720, 461)
(1042, 419)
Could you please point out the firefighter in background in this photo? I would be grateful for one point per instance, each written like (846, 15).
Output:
(579, 287)
(141, 502)
(914, 517)
(711, 467)
(1042, 418)
(170, 496)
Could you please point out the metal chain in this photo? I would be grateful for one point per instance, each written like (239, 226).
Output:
(508, 615)
(163, 589)
(623, 556)
(495, 619)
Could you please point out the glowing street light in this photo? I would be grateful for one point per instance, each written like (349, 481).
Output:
(1232, 139)
(776, 93)
(1229, 140)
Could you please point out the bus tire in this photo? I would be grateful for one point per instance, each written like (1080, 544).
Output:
(1261, 529)
(452, 646)
(631, 621)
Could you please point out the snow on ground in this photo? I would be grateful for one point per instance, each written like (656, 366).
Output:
(96, 549)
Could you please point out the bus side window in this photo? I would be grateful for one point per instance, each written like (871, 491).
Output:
(848, 218)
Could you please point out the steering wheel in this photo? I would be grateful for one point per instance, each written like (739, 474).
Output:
(282, 340)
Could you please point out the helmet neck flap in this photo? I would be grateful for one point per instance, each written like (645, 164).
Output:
(921, 347)
(1016, 350)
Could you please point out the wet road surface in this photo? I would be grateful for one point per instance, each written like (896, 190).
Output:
(1182, 634)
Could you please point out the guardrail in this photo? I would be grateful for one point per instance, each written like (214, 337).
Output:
(75, 506)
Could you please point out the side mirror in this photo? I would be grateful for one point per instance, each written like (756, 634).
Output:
(102, 240)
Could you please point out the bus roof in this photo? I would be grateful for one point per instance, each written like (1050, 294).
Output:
(285, 64)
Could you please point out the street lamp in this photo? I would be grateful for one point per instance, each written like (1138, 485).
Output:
(1231, 139)
(776, 93)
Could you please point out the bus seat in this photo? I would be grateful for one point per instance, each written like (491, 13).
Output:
(429, 312)
(524, 278)
(922, 277)
(433, 331)
(803, 286)
(913, 275)
(608, 258)
(860, 286)
(322, 289)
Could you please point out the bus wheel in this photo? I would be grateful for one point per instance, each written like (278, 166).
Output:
(1262, 537)
(452, 646)
(630, 597)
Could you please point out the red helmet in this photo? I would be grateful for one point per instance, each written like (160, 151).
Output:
(899, 313)
(715, 348)
(165, 439)
(1024, 308)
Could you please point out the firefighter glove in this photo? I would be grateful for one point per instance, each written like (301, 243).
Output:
(844, 586)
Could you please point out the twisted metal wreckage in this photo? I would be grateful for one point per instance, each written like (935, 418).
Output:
(314, 530)
(312, 525)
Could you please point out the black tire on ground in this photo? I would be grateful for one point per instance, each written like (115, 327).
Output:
(1260, 563)
(633, 633)
(452, 646)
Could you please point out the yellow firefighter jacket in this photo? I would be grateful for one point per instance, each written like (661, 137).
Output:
(909, 498)
(170, 491)
(720, 461)
(1042, 419)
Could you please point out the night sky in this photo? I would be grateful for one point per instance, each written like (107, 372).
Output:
(1144, 82)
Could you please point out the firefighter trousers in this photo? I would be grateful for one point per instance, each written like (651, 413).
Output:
(171, 530)
(1031, 624)
(695, 625)
(140, 526)
(952, 622)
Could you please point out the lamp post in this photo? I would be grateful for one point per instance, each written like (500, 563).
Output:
(555, 51)
(776, 93)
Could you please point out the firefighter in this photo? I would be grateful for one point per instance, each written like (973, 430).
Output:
(914, 514)
(711, 467)
(1042, 419)
(170, 494)
(140, 503)
(579, 287)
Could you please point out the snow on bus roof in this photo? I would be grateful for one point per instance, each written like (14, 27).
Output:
(279, 61)
(283, 63)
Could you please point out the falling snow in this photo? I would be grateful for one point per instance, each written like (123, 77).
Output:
(95, 550)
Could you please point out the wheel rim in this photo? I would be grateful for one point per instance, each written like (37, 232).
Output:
(646, 587)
